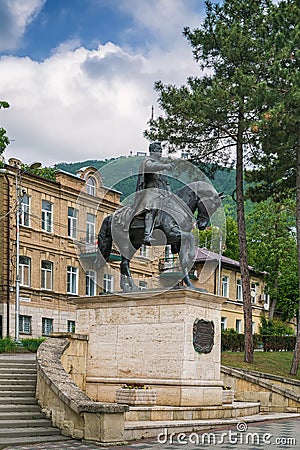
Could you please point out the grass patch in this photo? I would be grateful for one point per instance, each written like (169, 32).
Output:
(276, 363)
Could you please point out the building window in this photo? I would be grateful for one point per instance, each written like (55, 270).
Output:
(108, 283)
(47, 275)
(239, 291)
(144, 251)
(25, 324)
(91, 186)
(71, 326)
(25, 211)
(90, 283)
(90, 228)
(142, 285)
(223, 323)
(24, 267)
(253, 292)
(72, 280)
(47, 216)
(72, 222)
(253, 327)
(225, 286)
(238, 325)
(47, 326)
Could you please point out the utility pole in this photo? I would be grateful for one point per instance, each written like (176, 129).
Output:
(18, 280)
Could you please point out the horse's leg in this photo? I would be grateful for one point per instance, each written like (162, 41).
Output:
(186, 255)
(126, 278)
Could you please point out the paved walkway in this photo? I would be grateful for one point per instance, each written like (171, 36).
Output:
(281, 434)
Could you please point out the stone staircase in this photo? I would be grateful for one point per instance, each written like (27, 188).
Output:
(21, 419)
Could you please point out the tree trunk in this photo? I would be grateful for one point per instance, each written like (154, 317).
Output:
(274, 300)
(296, 358)
(248, 356)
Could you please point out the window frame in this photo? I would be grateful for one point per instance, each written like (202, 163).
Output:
(45, 271)
(71, 326)
(23, 320)
(46, 321)
(72, 222)
(91, 186)
(90, 229)
(238, 325)
(225, 284)
(239, 290)
(223, 323)
(47, 217)
(90, 282)
(22, 267)
(25, 211)
(108, 279)
(72, 280)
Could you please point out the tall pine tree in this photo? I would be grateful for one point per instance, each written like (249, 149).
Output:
(213, 116)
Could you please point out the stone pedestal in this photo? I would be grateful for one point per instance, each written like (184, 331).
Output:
(147, 338)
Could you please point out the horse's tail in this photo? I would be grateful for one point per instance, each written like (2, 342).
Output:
(104, 242)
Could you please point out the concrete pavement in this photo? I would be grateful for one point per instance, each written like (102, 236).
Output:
(264, 435)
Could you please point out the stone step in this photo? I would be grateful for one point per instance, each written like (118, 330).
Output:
(18, 376)
(5, 381)
(10, 441)
(19, 400)
(27, 432)
(17, 394)
(17, 388)
(19, 408)
(143, 429)
(20, 414)
(14, 364)
(168, 413)
(17, 370)
(25, 423)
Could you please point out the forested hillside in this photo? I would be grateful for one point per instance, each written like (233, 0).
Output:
(121, 174)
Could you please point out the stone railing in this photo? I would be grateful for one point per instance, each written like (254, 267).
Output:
(275, 394)
(68, 407)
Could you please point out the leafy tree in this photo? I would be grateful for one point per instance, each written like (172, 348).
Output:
(278, 159)
(272, 248)
(274, 327)
(212, 115)
(4, 140)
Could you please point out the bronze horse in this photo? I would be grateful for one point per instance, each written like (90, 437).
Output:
(176, 220)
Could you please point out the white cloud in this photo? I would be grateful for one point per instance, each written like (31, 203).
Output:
(15, 16)
(84, 104)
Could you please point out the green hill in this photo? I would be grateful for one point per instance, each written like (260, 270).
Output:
(121, 174)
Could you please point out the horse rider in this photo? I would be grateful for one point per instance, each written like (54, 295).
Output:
(152, 188)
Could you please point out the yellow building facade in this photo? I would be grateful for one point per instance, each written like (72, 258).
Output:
(57, 241)
(222, 276)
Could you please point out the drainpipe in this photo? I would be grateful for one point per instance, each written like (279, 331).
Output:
(8, 259)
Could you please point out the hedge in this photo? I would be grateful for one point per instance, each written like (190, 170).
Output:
(235, 342)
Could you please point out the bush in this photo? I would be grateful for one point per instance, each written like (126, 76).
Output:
(32, 344)
(232, 341)
(7, 345)
(275, 327)
(278, 343)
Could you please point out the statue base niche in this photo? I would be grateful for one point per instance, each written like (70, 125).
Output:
(147, 337)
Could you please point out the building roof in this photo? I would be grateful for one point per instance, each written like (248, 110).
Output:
(203, 255)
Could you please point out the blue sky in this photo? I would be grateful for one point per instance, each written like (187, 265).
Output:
(79, 74)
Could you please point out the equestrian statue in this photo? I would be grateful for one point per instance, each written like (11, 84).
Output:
(156, 208)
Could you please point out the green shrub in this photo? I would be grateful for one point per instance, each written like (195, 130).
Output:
(232, 341)
(32, 344)
(7, 345)
(275, 327)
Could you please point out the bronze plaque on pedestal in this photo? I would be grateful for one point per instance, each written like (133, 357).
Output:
(203, 335)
